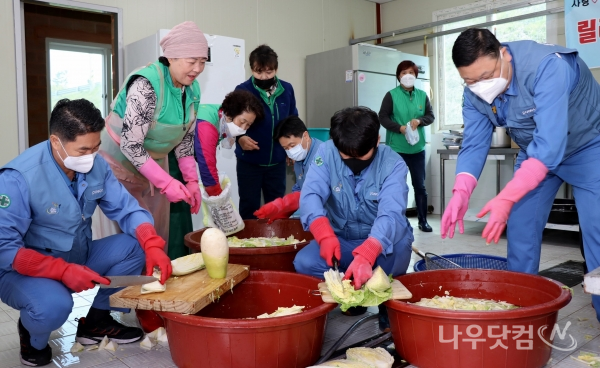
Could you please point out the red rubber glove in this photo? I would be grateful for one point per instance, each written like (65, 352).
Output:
(459, 203)
(76, 277)
(280, 208)
(214, 190)
(365, 256)
(327, 240)
(154, 246)
(187, 165)
(526, 178)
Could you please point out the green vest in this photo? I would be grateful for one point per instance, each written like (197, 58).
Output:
(210, 113)
(171, 120)
(169, 123)
(407, 106)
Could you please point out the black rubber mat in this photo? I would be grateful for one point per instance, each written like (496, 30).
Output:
(569, 273)
(398, 361)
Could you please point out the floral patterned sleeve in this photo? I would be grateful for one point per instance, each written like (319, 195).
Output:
(186, 147)
(141, 102)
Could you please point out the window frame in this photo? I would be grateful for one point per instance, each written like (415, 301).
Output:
(86, 47)
(447, 14)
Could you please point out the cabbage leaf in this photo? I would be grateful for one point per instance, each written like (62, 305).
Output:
(343, 292)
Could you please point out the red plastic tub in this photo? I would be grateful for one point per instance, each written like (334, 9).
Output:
(220, 336)
(433, 338)
(268, 258)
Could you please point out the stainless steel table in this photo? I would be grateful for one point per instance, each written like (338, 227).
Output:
(497, 154)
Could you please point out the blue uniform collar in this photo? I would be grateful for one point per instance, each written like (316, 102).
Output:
(513, 87)
(306, 160)
(70, 184)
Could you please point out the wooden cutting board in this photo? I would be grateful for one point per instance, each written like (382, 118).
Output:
(185, 294)
(399, 291)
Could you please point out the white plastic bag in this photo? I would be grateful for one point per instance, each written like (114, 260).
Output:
(219, 211)
(412, 136)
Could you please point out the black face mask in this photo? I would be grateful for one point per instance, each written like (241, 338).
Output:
(357, 165)
(265, 84)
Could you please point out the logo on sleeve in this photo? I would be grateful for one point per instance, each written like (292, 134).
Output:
(318, 161)
(4, 201)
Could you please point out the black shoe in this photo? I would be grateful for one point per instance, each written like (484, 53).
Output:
(355, 311)
(89, 333)
(384, 320)
(424, 227)
(29, 355)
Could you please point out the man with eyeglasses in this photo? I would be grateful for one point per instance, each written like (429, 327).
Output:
(547, 98)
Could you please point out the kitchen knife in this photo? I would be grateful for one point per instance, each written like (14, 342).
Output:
(335, 263)
(122, 281)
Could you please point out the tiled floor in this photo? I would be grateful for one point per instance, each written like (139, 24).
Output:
(559, 246)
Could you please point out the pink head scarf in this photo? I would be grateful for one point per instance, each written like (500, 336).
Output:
(185, 40)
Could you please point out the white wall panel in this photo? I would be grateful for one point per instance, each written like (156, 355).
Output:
(294, 28)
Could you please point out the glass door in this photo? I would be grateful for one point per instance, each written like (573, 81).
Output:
(79, 70)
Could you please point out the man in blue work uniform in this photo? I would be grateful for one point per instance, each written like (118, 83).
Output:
(292, 135)
(47, 197)
(548, 99)
(354, 202)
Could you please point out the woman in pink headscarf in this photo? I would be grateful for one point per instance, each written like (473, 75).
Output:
(153, 114)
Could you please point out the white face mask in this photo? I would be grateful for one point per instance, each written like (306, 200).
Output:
(489, 89)
(82, 164)
(297, 153)
(235, 130)
(408, 80)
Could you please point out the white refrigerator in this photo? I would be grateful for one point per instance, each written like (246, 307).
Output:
(224, 70)
(357, 75)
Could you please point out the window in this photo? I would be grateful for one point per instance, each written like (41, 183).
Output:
(79, 70)
(449, 88)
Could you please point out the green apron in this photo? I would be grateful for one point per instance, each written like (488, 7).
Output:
(170, 124)
(180, 219)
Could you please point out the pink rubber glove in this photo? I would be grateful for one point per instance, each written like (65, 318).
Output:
(171, 188)
(526, 178)
(187, 165)
(329, 243)
(365, 256)
(459, 203)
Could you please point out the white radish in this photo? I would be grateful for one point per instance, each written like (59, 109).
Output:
(77, 348)
(215, 252)
(147, 343)
(103, 343)
(155, 286)
(112, 346)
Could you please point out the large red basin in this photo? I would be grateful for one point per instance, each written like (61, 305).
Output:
(425, 337)
(268, 258)
(220, 336)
